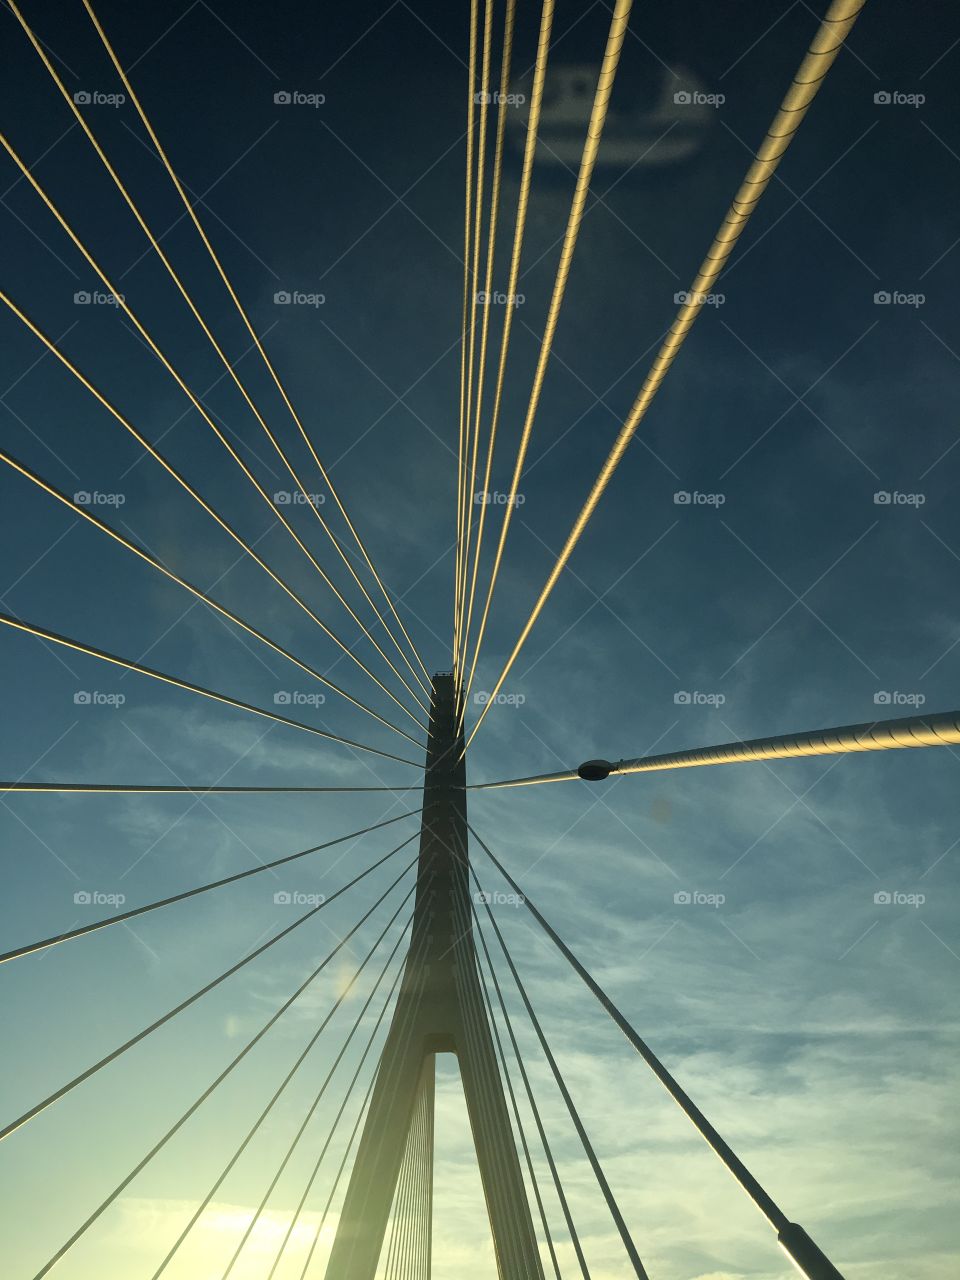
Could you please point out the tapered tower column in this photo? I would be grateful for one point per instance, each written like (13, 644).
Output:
(440, 1009)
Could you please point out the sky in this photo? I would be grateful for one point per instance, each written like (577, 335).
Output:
(804, 995)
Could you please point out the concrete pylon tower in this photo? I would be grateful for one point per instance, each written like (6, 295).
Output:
(440, 1009)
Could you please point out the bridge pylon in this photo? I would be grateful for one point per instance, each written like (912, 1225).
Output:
(440, 1009)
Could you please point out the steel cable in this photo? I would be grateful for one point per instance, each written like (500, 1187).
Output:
(191, 211)
(108, 1058)
(826, 45)
(54, 349)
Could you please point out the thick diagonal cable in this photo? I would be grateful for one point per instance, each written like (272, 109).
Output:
(608, 70)
(191, 211)
(184, 483)
(394, 1100)
(465, 916)
(764, 1202)
(394, 1236)
(96, 925)
(523, 200)
(535, 1110)
(491, 1089)
(194, 1106)
(319, 1097)
(494, 1029)
(346, 1154)
(417, 1260)
(467, 229)
(336, 1182)
(152, 560)
(208, 419)
(401, 1210)
(938, 729)
(826, 45)
(404, 1261)
(466, 613)
(423, 903)
(54, 638)
(281, 1088)
(515, 1107)
(411, 1246)
(114, 1054)
(591, 1155)
(82, 120)
(469, 430)
(428, 1177)
(531, 1099)
(291, 1226)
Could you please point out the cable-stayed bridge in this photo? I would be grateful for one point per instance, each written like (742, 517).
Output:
(437, 988)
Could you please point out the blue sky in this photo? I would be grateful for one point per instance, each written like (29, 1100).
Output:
(814, 1026)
